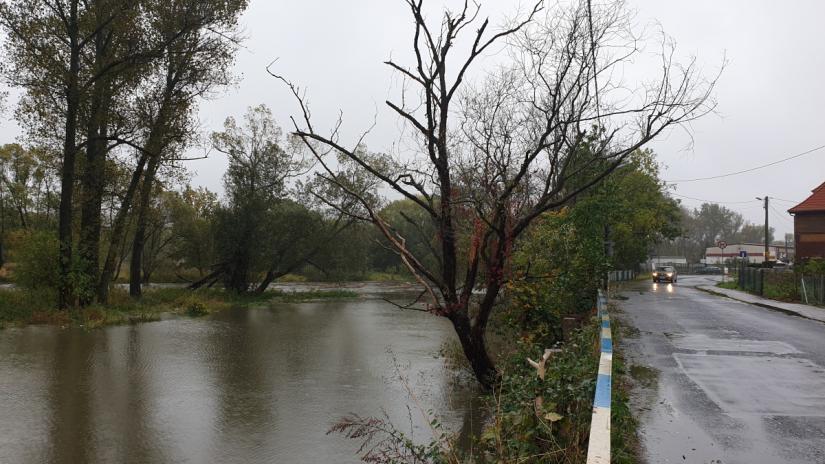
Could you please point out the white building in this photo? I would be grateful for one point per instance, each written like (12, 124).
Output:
(752, 252)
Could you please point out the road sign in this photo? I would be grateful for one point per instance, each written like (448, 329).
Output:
(743, 253)
(722, 244)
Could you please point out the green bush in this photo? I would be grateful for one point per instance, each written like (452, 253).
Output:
(196, 309)
(812, 266)
(36, 261)
(558, 431)
(559, 262)
(13, 306)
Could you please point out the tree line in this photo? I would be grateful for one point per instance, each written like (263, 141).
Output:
(265, 226)
(706, 225)
(111, 88)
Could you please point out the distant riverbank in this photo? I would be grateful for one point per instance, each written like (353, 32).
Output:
(24, 307)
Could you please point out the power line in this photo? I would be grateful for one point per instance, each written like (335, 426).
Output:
(789, 201)
(781, 216)
(747, 170)
(712, 201)
(727, 202)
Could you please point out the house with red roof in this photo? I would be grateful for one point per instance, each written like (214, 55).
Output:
(809, 225)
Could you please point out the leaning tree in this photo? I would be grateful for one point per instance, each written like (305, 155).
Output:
(551, 119)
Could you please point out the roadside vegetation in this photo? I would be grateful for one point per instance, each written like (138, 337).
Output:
(729, 284)
(783, 285)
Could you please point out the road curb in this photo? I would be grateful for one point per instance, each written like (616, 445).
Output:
(761, 305)
(598, 448)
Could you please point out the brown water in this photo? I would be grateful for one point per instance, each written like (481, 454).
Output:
(256, 385)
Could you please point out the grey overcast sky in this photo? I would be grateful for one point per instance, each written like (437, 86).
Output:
(770, 96)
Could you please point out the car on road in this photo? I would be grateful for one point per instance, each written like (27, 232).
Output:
(665, 274)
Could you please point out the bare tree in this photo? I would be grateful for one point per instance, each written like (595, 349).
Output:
(547, 124)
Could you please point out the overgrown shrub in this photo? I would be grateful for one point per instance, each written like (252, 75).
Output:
(558, 430)
(35, 260)
(558, 268)
(812, 266)
(196, 309)
(780, 286)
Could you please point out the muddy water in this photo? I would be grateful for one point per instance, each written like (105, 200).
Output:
(245, 385)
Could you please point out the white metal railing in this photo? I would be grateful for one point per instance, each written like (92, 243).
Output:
(598, 449)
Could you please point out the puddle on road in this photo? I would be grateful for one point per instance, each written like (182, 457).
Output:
(768, 385)
(645, 376)
(702, 342)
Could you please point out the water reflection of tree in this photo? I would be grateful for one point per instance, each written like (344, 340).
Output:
(245, 383)
(142, 444)
(69, 398)
(100, 397)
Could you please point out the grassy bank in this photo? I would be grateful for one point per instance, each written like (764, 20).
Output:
(21, 307)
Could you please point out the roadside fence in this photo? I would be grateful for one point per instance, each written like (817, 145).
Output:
(812, 289)
(783, 284)
(751, 279)
(621, 276)
(598, 448)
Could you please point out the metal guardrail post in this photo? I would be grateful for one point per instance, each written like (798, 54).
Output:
(598, 448)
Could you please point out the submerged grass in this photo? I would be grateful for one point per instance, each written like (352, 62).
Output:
(21, 307)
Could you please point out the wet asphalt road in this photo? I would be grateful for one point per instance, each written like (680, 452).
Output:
(730, 382)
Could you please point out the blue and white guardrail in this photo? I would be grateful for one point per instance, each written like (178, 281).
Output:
(598, 449)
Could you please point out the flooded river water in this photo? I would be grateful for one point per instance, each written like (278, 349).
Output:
(245, 385)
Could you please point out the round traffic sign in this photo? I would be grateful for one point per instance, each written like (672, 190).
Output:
(722, 244)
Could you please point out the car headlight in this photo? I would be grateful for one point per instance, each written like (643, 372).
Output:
(670, 274)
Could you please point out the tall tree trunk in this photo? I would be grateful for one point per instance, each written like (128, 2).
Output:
(155, 145)
(473, 342)
(472, 328)
(92, 184)
(67, 175)
(119, 232)
(237, 274)
(139, 243)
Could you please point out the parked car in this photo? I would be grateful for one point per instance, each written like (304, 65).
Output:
(665, 274)
(709, 270)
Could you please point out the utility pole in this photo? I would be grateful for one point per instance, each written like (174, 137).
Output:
(767, 244)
